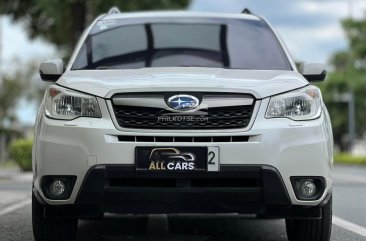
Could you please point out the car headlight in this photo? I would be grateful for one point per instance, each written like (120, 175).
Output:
(64, 104)
(301, 104)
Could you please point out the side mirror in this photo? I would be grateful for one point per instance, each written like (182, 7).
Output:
(313, 72)
(51, 70)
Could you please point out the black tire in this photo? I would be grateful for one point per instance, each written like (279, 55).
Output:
(311, 229)
(51, 229)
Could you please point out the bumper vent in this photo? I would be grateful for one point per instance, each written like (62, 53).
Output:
(183, 139)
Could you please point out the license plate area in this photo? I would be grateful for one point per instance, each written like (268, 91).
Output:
(171, 159)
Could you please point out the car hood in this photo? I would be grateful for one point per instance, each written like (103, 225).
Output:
(106, 83)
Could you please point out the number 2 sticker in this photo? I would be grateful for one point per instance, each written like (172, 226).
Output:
(213, 159)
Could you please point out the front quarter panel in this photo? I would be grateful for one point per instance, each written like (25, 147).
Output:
(36, 145)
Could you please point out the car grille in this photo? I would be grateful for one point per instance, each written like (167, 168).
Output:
(212, 118)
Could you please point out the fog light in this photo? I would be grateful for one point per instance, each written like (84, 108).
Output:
(57, 188)
(308, 188)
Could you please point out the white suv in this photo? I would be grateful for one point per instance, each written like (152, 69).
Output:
(179, 112)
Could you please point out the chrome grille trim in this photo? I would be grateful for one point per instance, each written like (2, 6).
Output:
(158, 101)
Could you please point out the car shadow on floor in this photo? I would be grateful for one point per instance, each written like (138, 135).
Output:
(181, 228)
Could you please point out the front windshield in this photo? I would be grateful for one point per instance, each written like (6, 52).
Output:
(231, 44)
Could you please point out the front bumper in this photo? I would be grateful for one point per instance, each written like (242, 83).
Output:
(235, 189)
(292, 148)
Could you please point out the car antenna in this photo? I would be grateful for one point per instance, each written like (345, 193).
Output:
(114, 10)
(246, 11)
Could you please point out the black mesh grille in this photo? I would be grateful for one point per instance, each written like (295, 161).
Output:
(156, 118)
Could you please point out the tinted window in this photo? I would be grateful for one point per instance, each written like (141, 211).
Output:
(118, 42)
(236, 44)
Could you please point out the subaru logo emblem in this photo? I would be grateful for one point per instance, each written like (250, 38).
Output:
(183, 102)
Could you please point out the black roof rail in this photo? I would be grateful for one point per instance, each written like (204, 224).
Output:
(246, 11)
(114, 10)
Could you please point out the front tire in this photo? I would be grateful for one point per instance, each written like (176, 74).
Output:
(311, 229)
(44, 229)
